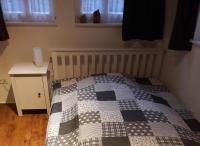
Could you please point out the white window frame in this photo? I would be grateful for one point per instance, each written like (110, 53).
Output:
(26, 18)
(104, 10)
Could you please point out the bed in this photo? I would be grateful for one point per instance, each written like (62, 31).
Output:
(130, 108)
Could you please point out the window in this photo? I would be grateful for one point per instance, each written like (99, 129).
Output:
(111, 10)
(28, 10)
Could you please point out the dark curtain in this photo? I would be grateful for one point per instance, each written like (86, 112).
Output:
(143, 19)
(184, 25)
(3, 31)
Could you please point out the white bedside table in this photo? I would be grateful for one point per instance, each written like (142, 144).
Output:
(31, 86)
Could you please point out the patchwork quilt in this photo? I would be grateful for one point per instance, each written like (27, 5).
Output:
(118, 110)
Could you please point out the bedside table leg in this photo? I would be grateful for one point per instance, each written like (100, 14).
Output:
(19, 111)
(48, 111)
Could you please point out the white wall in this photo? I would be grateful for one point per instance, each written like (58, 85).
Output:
(181, 73)
(181, 70)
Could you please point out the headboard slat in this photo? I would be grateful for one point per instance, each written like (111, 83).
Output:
(80, 63)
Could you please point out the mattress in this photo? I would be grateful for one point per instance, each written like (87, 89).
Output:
(118, 110)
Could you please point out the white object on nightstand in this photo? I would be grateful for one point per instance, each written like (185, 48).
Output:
(31, 86)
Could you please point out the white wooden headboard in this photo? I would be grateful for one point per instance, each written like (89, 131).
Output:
(79, 63)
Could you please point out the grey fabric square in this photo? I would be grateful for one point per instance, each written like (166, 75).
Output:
(87, 89)
(91, 142)
(52, 141)
(68, 89)
(56, 107)
(138, 129)
(154, 116)
(108, 106)
(106, 96)
(69, 126)
(69, 114)
(115, 141)
(141, 94)
(133, 115)
(128, 105)
(169, 141)
(68, 139)
(113, 129)
(89, 117)
(186, 134)
(86, 96)
(109, 79)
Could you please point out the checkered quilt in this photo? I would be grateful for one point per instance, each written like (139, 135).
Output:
(117, 110)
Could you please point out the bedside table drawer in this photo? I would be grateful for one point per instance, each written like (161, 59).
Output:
(30, 91)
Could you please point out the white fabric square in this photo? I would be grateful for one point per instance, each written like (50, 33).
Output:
(69, 100)
(148, 105)
(103, 87)
(56, 98)
(54, 124)
(173, 117)
(108, 106)
(90, 131)
(86, 82)
(163, 129)
(124, 94)
(143, 141)
(68, 82)
(87, 106)
(111, 116)
(117, 86)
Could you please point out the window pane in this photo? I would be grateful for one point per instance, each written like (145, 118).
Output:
(41, 7)
(89, 6)
(13, 6)
(115, 7)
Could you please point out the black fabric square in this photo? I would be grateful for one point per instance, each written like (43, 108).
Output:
(144, 81)
(133, 115)
(56, 107)
(106, 96)
(100, 74)
(188, 142)
(56, 85)
(115, 141)
(193, 124)
(160, 100)
(69, 126)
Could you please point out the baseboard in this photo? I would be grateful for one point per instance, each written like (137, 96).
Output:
(6, 101)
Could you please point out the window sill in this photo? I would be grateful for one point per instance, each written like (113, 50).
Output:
(98, 24)
(31, 23)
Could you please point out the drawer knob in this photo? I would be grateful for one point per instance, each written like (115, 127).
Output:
(39, 95)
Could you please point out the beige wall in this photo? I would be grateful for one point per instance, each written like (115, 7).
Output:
(180, 73)
(65, 34)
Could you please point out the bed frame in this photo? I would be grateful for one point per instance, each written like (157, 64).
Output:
(79, 63)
